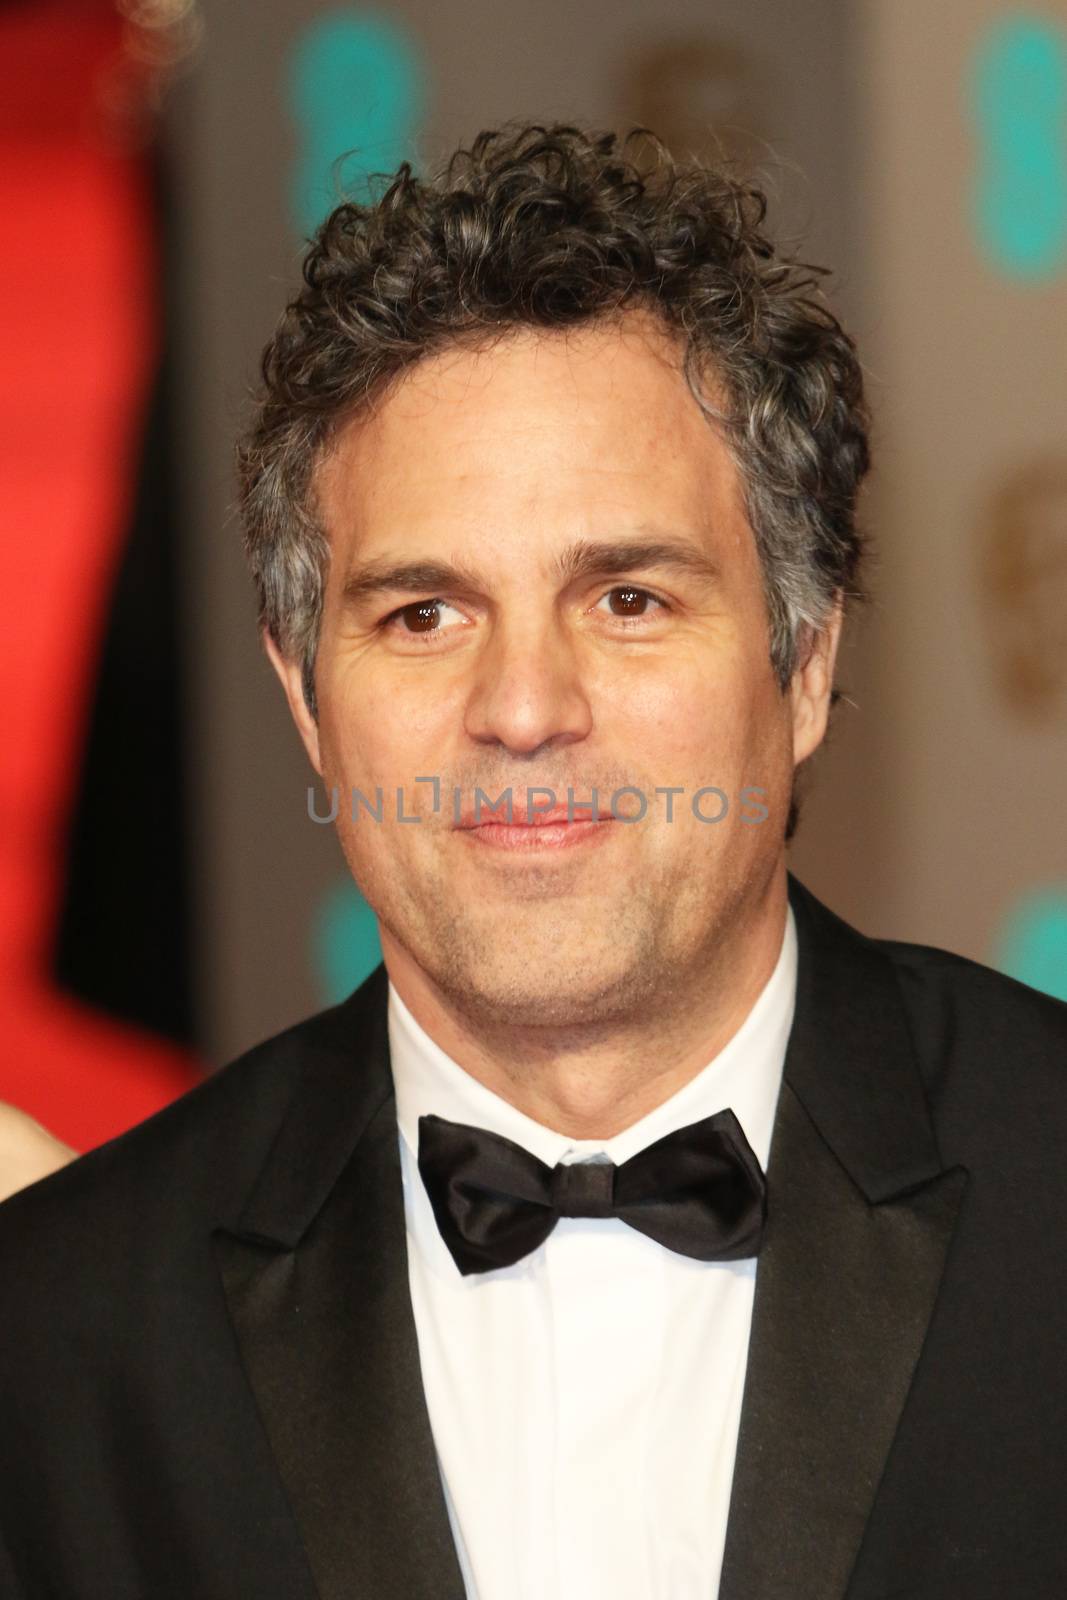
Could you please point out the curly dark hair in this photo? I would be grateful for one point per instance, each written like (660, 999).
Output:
(548, 226)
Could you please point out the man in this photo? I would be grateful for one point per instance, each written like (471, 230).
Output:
(638, 1228)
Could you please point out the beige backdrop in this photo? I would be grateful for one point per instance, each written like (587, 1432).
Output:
(965, 755)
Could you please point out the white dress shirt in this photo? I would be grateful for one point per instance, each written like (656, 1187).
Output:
(585, 1401)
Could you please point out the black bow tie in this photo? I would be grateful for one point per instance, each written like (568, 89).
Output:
(700, 1191)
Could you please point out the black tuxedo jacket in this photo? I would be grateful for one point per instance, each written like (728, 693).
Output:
(209, 1372)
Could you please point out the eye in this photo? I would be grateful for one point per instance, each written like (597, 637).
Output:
(632, 597)
(420, 619)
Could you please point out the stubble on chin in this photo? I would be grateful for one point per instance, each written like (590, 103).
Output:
(609, 965)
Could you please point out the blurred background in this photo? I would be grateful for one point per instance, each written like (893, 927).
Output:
(165, 901)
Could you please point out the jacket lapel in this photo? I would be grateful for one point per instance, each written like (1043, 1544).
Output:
(314, 1269)
(860, 1217)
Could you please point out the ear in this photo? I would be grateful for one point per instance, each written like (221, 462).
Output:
(811, 685)
(291, 678)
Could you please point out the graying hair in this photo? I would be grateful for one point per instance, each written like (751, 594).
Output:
(551, 227)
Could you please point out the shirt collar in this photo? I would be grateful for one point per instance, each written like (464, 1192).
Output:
(745, 1076)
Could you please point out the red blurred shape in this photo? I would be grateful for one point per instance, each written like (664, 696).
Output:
(78, 299)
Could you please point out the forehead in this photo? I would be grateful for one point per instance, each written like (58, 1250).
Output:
(569, 425)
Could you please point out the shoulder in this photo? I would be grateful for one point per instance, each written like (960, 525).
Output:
(112, 1256)
(990, 1049)
(953, 986)
(171, 1171)
(956, 1009)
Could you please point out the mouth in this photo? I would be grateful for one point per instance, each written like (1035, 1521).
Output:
(536, 832)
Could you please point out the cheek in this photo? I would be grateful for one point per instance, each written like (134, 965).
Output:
(377, 733)
(706, 716)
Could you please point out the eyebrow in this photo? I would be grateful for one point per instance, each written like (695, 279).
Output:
(584, 558)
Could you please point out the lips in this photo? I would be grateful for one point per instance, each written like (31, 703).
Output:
(579, 811)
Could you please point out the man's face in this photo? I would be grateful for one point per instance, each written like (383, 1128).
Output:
(503, 463)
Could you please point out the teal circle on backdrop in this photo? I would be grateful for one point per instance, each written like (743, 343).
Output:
(355, 90)
(345, 943)
(1033, 942)
(1019, 94)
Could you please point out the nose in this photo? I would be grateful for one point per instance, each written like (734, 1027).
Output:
(527, 690)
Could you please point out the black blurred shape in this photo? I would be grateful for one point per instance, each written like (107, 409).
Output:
(123, 931)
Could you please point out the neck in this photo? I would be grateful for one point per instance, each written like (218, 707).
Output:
(594, 1080)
